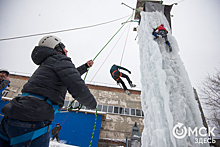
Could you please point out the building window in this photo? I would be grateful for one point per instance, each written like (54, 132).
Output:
(99, 108)
(122, 110)
(138, 112)
(133, 112)
(127, 111)
(104, 108)
(116, 110)
(110, 108)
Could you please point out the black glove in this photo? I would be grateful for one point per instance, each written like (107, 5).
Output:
(154, 31)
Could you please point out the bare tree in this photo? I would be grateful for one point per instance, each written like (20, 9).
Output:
(210, 95)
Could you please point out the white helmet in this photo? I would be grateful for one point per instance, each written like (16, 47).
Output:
(49, 41)
(5, 71)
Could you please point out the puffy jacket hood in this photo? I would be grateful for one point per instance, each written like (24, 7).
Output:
(40, 53)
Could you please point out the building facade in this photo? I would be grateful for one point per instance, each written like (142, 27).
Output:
(121, 111)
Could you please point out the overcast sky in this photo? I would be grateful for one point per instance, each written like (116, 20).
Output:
(194, 25)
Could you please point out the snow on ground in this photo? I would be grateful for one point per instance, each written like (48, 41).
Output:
(167, 95)
(54, 143)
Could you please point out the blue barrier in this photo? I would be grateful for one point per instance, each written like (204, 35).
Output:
(77, 128)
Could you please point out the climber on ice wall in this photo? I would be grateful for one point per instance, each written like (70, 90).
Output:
(162, 32)
(116, 74)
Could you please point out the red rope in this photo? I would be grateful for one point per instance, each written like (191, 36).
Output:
(125, 43)
(65, 119)
(67, 116)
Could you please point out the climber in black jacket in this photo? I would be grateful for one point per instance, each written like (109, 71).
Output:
(44, 94)
(116, 74)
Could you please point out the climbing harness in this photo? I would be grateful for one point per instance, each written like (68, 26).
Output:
(120, 74)
(55, 107)
(28, 136)
(34, 134)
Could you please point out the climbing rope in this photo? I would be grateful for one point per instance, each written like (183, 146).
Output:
(94, 60)
(97, 56)
(113, 37)
(93, 128)
(73, 29)
(69, 109)
(125, 42)
(65, 118)
(108, 55)
(88, 71)
(70, 105)
(161, 12)
(107, 44)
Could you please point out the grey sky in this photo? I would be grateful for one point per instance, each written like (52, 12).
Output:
(195, 27)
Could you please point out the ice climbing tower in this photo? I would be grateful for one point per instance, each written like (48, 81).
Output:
(167, 97)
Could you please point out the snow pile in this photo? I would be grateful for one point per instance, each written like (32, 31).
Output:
(167, 95)
(54, 143)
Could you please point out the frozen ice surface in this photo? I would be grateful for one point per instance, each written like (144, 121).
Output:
(167, 95)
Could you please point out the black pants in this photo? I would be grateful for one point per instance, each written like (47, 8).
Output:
(55, 136)
(122, 83)
(163, 33)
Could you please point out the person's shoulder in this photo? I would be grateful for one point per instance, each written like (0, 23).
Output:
(59, 58)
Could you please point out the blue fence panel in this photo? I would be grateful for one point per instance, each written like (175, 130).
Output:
(78, 127)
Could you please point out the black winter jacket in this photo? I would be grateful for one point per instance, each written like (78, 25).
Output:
(55, 75)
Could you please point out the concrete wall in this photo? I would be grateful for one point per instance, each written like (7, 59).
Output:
(16, 85)
(118, 126)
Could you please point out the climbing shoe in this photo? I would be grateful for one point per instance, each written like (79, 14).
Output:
(128, 93)
(132, 85)
(170, 48)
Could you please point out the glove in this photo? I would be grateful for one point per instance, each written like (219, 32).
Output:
(154, 31)
(90, 63)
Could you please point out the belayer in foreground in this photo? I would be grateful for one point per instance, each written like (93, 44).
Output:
(27, 120)
(116, 74)
(162, 32)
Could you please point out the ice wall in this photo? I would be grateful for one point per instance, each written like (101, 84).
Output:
(167, 95)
